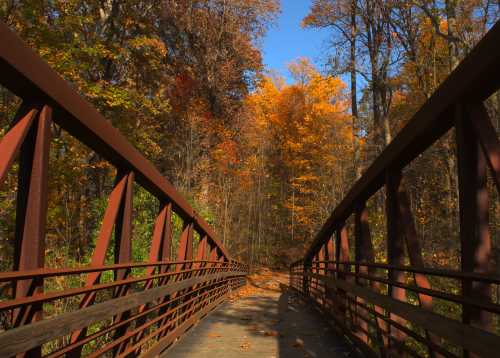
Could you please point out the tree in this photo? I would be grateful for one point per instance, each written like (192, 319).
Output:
(303, 142)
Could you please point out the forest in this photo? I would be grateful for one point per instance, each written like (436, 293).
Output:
(263, 160)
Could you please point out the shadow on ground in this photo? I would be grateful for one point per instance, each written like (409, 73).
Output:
(305, 333)
(268, 324)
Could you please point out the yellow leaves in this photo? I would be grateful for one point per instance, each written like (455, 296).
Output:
(299, 343)
(150, 44)
(226, 154)
(302, 70)
(213, 335)
(306, 178)
(302, 135)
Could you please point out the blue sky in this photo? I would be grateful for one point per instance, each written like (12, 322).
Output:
(287, 40)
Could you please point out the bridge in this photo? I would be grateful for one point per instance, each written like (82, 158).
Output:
(166, 306)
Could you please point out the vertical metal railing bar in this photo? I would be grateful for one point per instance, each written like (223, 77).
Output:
(31, 215)
(474, 206)
(123, 248)
(395, 248)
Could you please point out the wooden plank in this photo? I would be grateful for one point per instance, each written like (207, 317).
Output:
(131, 337)
(340, 326)
(171, 337)
(474, 339)
(23, 338)
(136, 317)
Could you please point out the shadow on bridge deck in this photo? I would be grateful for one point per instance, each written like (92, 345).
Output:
(269, 324)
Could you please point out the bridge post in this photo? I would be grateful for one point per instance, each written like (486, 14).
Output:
(342, 255)
(166, 240)
(213, 253)
(31, 213)
(306, 267)
(414, 249)
(364, 252)
(395, 249)
(123, 248)
(202, 248)
(473, 205)
(313, 283)
(329, 270)
(123, 230)
(321, 266)
(185, 251)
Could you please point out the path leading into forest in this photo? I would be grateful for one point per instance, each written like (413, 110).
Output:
(262, 320)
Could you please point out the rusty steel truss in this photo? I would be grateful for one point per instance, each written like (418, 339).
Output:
(388, 309)
(146, 306)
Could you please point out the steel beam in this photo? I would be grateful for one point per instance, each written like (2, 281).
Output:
(29, 77)
(474, 228)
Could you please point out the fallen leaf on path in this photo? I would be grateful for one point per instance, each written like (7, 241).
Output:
(299, 343)
(213, 335)
(253, 327)
(271, 333)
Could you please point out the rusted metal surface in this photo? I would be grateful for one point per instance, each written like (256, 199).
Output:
(29, 77)
(388, 309)
(474, 211)
(475, 79)
(26, 337)
(146, 305)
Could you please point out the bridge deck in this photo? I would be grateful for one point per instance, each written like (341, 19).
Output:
(267, 323)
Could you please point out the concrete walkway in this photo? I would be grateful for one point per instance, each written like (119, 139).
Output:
(267, 324)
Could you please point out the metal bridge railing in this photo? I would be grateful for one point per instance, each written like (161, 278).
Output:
(389, 309)
(146, 306)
